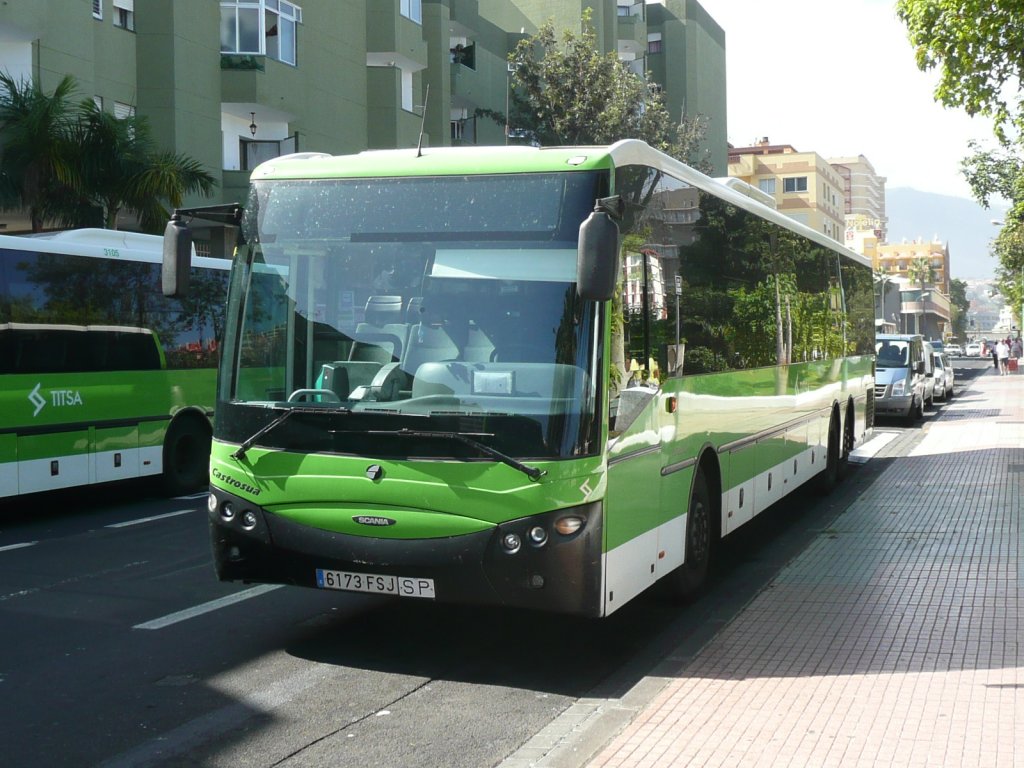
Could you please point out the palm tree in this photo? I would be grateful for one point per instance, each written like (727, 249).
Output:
(921, 272)
(77, 165)
(122, 170)
(35, 130)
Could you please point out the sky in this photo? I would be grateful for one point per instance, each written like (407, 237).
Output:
(838, 77)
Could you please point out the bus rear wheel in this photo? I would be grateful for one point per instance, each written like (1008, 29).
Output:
(186, 456)
(686, 580)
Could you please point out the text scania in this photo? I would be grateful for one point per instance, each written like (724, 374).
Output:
(228, 480)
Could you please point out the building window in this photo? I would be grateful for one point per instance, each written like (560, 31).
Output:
(124, 14)
(261, 27)
(654, 42)
(412, 10)
(795, 184)
(766, 185)
(97, 9)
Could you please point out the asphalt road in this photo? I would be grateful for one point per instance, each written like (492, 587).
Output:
(118, 647)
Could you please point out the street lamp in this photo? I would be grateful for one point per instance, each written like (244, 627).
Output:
(252, 124)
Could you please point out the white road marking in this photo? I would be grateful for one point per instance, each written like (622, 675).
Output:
(213, 605)
(150, 519)
(19, 546)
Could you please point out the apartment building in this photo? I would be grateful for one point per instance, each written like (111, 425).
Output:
(232, 83)
(898, 258)
(804, 185)
(863, 195)
(927, 308)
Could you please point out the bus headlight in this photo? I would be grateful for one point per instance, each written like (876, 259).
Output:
(211, 503)
(511, 542)
(538, 536)
(898, 388)
(248, 519)
(227, 511)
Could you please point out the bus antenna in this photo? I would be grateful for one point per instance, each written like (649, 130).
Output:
(423, 119)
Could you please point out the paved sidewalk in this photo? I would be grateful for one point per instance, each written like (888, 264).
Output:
(893, 640)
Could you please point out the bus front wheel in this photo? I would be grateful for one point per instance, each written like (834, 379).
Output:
(186, 456)
(688, 578)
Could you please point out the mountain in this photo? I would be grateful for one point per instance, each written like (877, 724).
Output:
(958, 221)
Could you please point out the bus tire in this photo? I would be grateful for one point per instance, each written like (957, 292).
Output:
(848, 441)
(686, 580)
(186, 456)
(827, 479)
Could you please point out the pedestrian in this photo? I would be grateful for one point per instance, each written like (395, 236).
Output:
(1016, 349)
(995, 357)
(1003, 355)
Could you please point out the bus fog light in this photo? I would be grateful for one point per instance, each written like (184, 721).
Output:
(568, 525)
(248, 519)
(511, 542)
(227, 511)
(536, 581)
(538, 536)
(211, 503)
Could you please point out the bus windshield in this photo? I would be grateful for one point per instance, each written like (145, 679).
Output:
(459, 314)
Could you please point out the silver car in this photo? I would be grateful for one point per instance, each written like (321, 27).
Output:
(942, 379)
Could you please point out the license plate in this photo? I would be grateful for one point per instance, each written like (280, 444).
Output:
(403, 586)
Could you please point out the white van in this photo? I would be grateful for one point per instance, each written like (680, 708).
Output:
(901, 366)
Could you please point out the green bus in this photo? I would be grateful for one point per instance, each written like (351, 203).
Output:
(102, 377)
(536, 377)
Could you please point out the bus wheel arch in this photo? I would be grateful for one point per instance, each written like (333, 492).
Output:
(703, 528)
(186, 452)
(830, 474)
(849, 429)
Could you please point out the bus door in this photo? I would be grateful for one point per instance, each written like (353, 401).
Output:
(632, 502)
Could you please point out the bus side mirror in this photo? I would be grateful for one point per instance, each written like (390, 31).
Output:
(597, 257)
(177, 260)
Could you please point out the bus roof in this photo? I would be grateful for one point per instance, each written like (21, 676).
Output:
(102, 243)
(454, 161)
(432, 161)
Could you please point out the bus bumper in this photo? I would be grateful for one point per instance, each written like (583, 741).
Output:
(563, 574)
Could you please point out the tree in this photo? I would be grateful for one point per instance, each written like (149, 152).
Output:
(35, 132)
(921, 272)
(978, 47)
(568, 93)
(120, 168)
(77, 165)
(961, 305)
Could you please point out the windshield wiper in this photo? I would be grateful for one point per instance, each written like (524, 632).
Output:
(531, 472)
(239, 452)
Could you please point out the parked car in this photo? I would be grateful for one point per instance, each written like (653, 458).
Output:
(973, 349)
(901, 386)
(954, 350)
(942, 381)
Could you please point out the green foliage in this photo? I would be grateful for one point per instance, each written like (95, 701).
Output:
(567, 93)
(79, 166)
(35, 140)
(960, 306)
(978, 48)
